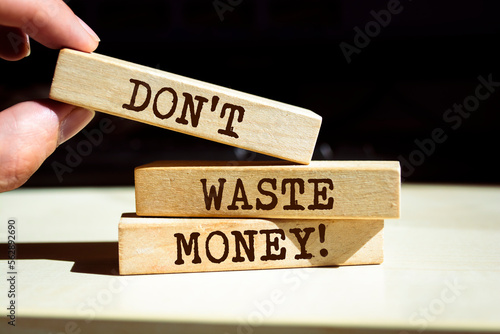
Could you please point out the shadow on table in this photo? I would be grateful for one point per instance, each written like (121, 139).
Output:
(89, 257)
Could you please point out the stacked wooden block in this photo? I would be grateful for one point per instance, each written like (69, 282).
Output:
(257, 215)
(210, 216)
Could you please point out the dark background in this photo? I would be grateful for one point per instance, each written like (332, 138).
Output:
(394, 92)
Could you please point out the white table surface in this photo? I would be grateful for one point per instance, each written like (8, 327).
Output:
(441, 273)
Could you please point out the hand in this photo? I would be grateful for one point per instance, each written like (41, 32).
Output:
(31, 131)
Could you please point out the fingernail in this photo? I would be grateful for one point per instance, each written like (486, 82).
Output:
(89, 30)
(73, 123)
(28, 47)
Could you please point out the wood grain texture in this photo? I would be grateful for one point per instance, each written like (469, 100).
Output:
(185, 105)
(149, 245)
(322, 189)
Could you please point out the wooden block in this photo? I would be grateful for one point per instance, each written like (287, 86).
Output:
(166, 245)
(322, 189)
(185, 105)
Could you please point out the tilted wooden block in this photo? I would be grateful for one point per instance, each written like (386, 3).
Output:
(322, 189)
(166, 245)
(185, 105)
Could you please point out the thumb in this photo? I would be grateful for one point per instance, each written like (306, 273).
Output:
(30, 132)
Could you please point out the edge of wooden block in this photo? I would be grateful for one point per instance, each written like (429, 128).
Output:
(317, 164)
